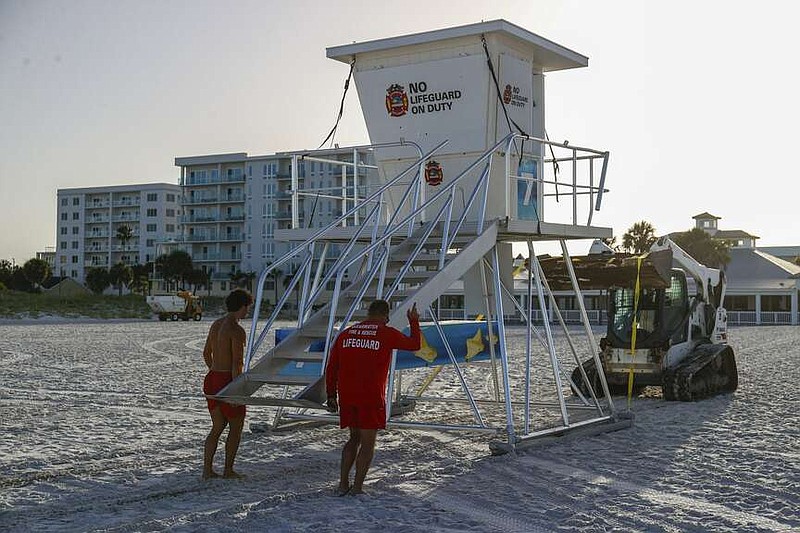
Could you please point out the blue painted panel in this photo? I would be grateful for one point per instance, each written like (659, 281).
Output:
(468, 340)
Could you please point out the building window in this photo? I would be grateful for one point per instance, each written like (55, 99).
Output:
(74, 245)
(74, 274)
(76, 216)
(76, 201)
(223, 286)
(170, 197)
(152, 197)
(170, 228)
(170, 212)
(74, 258)
(75, 230)
(64, 230)
(64, 216)
(152, 212)
(151, 228)
(63, 258)
(150, 243)
(65, 201)
(63, 245)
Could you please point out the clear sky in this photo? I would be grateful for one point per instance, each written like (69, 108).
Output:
(697, 101)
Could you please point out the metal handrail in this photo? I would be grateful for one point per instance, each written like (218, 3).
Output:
(590, 189)
(251, 345)
(391, 230)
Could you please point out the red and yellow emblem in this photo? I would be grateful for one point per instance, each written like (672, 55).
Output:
(433, 173)
(507, 95)
(396, 100)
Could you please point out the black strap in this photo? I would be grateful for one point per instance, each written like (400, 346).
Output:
(341, 105)
(509, 120)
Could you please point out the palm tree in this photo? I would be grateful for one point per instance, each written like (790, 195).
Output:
(141, 277)
(175, 266)
(124, 234)
(275, 275)
(120, 274)
(287, 280)
(639, 237)
(197, 278)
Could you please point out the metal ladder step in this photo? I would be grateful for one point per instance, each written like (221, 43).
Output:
(302, 357)
(279, 379)
(262, 400)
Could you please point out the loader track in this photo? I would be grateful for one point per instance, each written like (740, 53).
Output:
(709, 371)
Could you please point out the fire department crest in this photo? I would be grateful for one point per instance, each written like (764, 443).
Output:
(507, 95)
(433, 173)
(396, 100)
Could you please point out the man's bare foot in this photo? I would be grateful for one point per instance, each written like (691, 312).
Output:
(354, 491)
(210, 475)
(341, 490)
(233, 475)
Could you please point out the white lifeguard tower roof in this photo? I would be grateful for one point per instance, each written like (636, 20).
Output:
(548, 55)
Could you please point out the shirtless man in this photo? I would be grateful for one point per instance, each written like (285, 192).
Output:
(357, 371)
(224, 355)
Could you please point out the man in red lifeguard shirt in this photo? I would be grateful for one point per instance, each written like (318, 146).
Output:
(358, 368)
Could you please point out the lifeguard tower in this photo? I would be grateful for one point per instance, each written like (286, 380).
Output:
(456, 121)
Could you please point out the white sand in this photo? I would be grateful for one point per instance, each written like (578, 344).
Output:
(102, 426)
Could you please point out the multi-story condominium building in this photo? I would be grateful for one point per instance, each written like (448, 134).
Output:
(89, 220)
(233, 203)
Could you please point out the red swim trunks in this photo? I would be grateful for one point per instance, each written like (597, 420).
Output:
(214, 382)
(359, 416)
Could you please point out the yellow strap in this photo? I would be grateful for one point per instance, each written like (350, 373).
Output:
(634, 325)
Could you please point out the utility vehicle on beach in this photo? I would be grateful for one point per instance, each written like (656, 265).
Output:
(183, 305)
(660, 335)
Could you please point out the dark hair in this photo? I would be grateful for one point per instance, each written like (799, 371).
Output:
(237, 299)
(378, 308)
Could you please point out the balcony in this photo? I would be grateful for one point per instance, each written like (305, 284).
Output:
(126, 203)
(98, 205)
(231, 198)
(95, 264)
(202, 237)
(287, 215)
(96, 249)
(234, 217)
(199, 219)
(200, 200)
(217, 257)
(98, 235)
(98, 220)
(126, 217)
(125, 248)
(233, 236)
(208, 180)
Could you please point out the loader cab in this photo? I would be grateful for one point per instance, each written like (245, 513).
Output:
(661, 314)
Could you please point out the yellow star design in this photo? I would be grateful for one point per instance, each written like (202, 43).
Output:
(425, 351)
(475, 345)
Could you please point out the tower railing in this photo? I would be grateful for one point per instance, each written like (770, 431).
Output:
(580, 163)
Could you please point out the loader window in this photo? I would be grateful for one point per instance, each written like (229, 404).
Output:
(622, 314)
(676, 307)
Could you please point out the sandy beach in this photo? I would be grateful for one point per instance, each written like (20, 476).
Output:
(103, 422)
